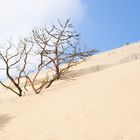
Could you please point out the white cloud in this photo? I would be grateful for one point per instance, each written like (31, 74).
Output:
(20, 16)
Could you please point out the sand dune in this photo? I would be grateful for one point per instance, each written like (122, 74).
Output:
(99, 104)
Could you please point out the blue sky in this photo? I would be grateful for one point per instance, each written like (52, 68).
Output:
(111, 23)
(103, 24)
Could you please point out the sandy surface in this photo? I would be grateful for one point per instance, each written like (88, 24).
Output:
(102, 105)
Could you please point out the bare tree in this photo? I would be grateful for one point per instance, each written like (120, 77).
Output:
(56, 49)
(36, 83)
(14, 57)
(59, 48)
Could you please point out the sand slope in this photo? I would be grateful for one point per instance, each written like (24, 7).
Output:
(103, 105)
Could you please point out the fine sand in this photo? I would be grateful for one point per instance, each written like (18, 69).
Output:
(99, 100)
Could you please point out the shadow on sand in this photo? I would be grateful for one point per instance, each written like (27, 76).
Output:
(4, 119)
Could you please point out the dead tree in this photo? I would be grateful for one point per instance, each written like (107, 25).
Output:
(40, 64)
(36, 83)
(14, 58)
(60, 48)
(57, 50)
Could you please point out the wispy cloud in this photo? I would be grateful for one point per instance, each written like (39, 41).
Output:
(20, 16)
